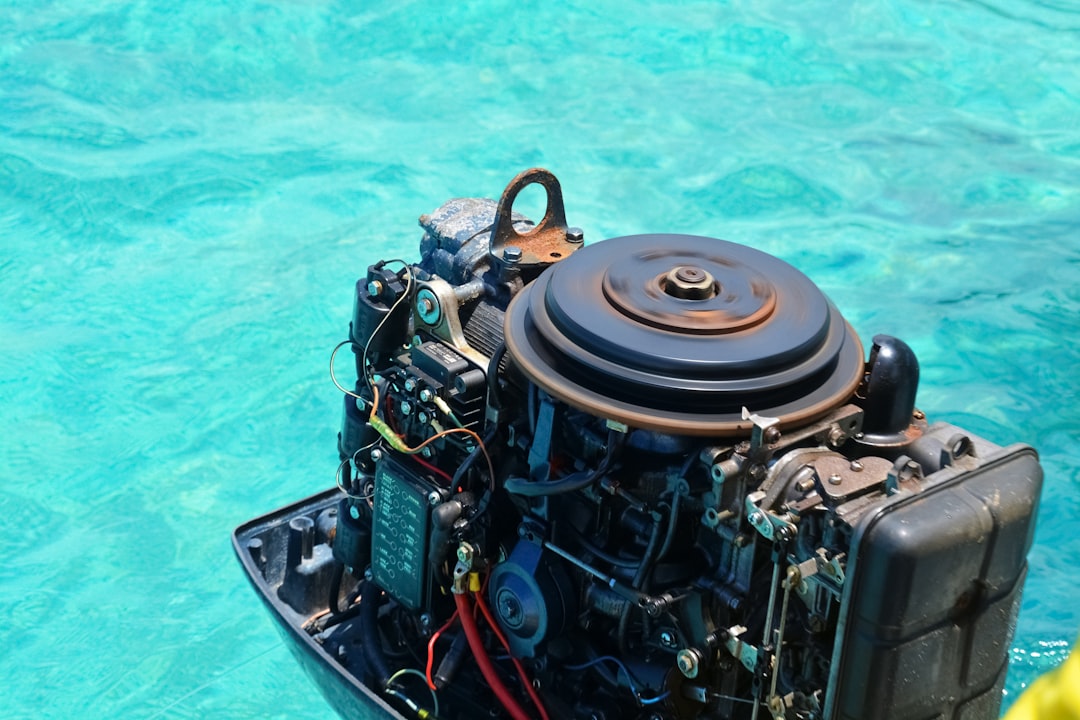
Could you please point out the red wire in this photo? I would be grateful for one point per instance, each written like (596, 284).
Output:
(472, 634)
(517, 663)
(432, 468)
(431, 649)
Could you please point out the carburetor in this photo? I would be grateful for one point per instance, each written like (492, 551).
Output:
(655, 476)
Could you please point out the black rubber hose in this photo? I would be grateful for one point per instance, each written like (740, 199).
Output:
(370, 643)
(335, 588)
(450, 663)
(570, 483)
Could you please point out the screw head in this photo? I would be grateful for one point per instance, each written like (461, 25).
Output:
(374, 288)
(511, 254)
(575, 235)
(687, 660)
(376, 454)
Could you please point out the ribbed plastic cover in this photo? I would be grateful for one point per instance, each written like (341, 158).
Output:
(677, 333)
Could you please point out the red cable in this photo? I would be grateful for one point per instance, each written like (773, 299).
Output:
(423, 463)
(431, 649)
(472, 634)
(517, 663)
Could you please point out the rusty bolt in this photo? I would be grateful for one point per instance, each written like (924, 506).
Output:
(688, 662)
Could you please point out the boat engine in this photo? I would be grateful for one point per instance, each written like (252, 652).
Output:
(655, 476)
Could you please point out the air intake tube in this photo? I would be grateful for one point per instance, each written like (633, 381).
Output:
(892, 381)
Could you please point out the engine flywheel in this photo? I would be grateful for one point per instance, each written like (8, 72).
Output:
(678, 333)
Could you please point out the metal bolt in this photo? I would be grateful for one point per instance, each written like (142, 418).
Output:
(410, 384)
(856, 466)
(667, 639)
(756, 518)
(511, 254)
(688, 662)
(374, 288)
(426, 451)
(422, 417)
(510, 608)
(376, 454)
(434, 498)
(575, 235)
(756, 472)
(465, 554)
(354, 512)
(805, 485)
(689, 282)
(427, 306)
(771, 435)
(919, 415)
(835, 479)
(836, 436)
(426, 395)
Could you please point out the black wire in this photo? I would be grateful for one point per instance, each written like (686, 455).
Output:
(467, 463)
(673, 522)
(603, 554)
(493, 375)
(648, 557)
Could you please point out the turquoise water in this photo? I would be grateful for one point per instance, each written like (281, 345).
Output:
(189, 190)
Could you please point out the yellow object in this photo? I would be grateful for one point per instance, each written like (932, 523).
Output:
(1054, 696)
(474, 582)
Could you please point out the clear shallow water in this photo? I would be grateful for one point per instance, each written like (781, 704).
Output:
(187, 193)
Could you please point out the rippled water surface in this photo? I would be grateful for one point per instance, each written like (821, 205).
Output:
(188, 191)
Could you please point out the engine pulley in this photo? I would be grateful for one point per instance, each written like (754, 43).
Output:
(677, 333)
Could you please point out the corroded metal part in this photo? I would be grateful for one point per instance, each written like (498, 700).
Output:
(542, 245)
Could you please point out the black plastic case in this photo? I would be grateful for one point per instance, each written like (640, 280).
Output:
(933, 595)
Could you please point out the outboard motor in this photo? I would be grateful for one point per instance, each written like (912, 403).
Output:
(654, 476)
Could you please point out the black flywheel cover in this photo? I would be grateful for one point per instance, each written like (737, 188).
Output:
(678, 333)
